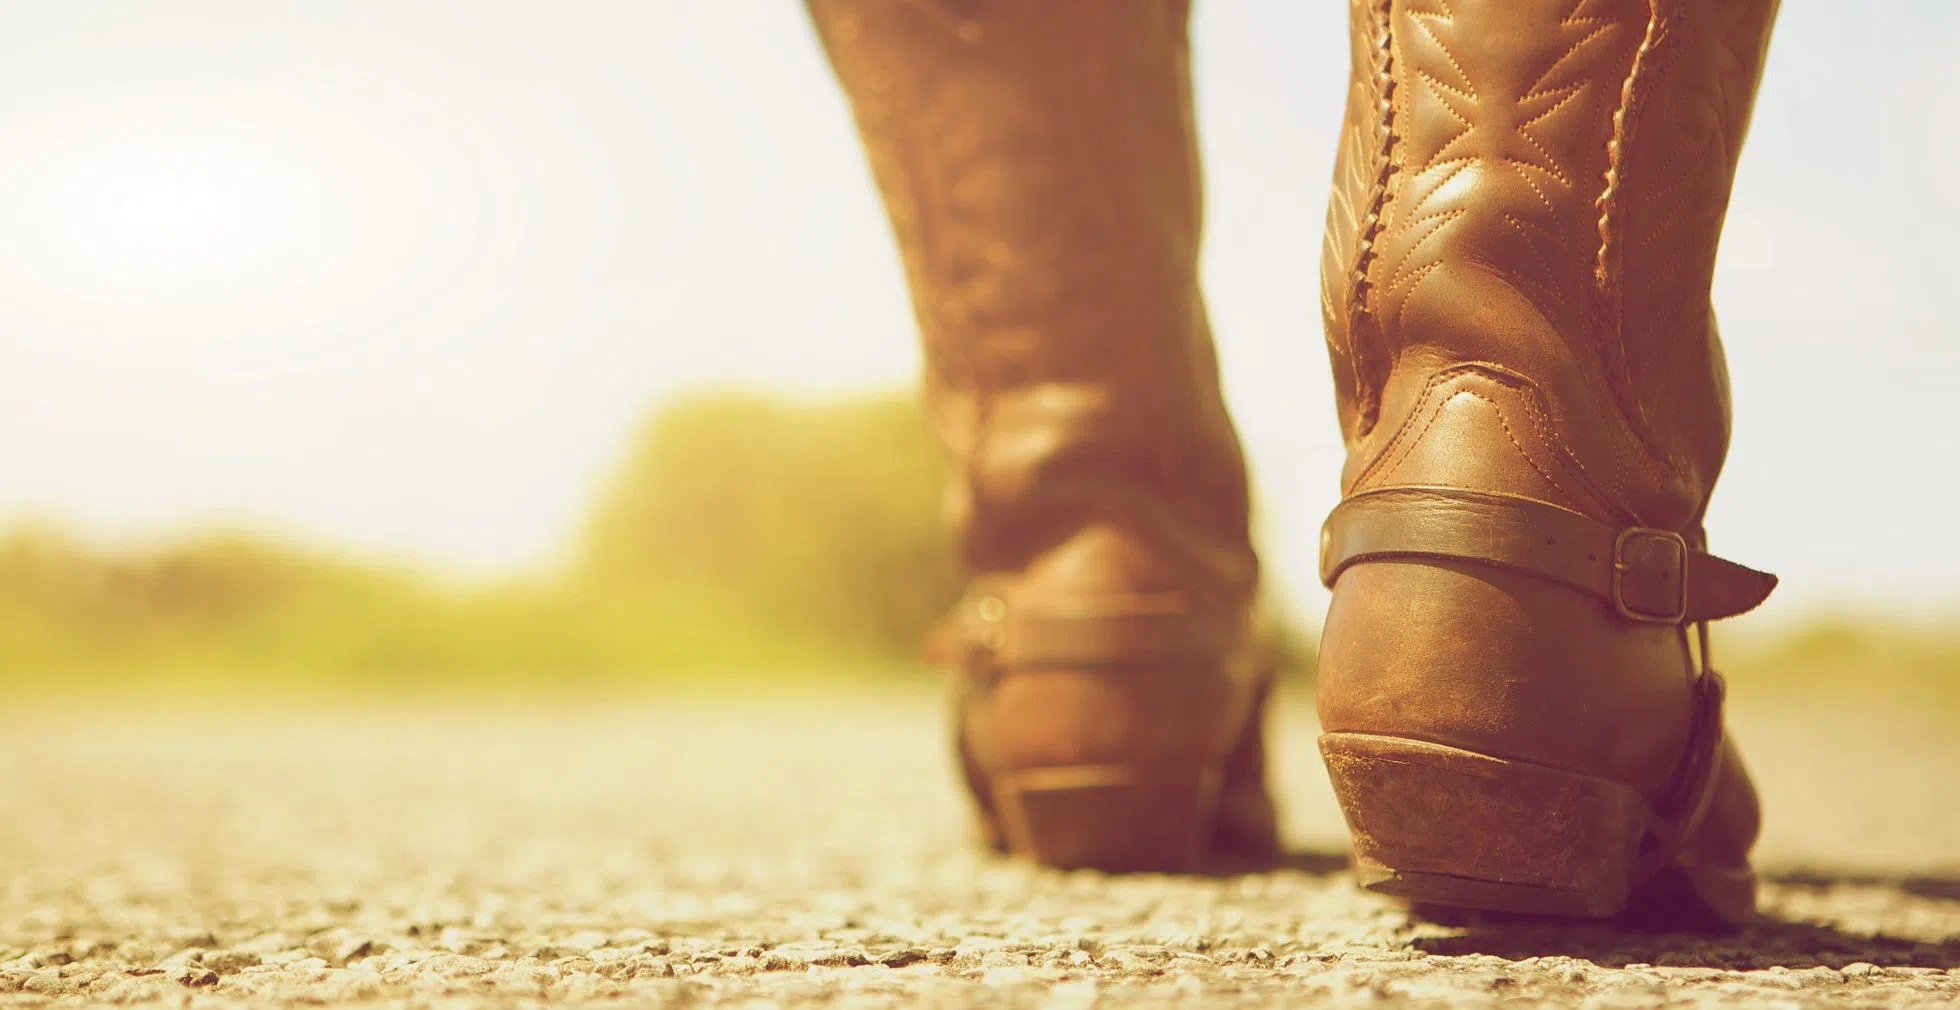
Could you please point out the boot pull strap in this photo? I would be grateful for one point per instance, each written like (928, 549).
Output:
(1099, 631)
(1652, 576)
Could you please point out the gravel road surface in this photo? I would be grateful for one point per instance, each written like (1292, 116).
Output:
(810, 849)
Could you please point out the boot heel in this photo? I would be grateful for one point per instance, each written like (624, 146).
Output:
(1121, 818)
(1438, 825)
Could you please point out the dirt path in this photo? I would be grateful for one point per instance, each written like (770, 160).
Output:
(813, 850)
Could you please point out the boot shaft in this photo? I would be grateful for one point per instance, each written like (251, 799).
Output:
(1040, 169)
(1038, 163)
(1540, 187)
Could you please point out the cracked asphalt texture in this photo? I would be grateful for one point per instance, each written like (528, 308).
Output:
(811, 849)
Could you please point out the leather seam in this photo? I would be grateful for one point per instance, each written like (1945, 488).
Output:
(1459, 163)
(1405, 269)
(1420, 19)
(1437, 84)
(1505, 423)
(1519, 165)
(1600, 27)
(1567, 460)
(1610, 336)
(1526, 230)
(1401, 433)
(1406, 437)
(1415, 279)
(1567, 94)
(1624, 115)
(1378, 194)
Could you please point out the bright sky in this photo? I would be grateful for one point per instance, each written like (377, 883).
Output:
(403, 275)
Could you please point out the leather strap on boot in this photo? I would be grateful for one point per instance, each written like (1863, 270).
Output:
(1652, 576)
(1142, 628)
(1692, 785)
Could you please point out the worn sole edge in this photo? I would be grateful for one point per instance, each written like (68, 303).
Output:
(1113, 817)
(1441, 825)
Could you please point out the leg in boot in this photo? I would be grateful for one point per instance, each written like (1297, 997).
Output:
(1039, 168)
(1516, 282)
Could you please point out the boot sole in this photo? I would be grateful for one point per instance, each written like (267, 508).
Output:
(1113, 817)
(1437, 825)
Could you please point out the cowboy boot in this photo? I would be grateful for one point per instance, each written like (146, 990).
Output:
(1516, 279)
(1039, 169)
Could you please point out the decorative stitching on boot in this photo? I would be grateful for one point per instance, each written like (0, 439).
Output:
(1504, 422)
(1605, 276)
(1608, 270)
(1384, 155)
(1409, 270)
(1362, 334)
(1415, 279)
(1412, 431)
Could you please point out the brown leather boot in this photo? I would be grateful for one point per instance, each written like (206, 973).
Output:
(1516, 282)
(1039, 168)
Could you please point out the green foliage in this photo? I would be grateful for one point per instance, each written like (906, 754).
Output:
(1853, 658)
(820, 521)
(742, 533)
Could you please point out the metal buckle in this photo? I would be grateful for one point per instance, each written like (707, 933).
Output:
(1620, 568)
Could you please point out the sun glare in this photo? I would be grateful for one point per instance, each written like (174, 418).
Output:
(193, 218)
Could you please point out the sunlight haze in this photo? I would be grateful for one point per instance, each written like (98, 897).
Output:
(404, 277)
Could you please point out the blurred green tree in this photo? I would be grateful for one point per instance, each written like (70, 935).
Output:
(821, 520)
